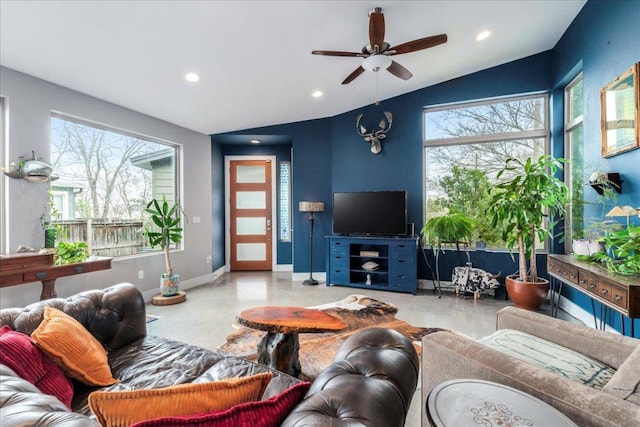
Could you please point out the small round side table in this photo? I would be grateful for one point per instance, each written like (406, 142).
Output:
(470, 402)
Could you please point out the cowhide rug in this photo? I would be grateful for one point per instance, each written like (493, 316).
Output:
(318, 350)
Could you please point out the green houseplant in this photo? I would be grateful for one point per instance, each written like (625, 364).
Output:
(523, 206)
(52, 229)
(454, 228)
(622, 254)
(165, 231)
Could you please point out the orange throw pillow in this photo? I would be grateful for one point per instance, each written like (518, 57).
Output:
(73, 348)
(123, 408)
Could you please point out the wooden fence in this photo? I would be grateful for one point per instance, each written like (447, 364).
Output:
(105, 237)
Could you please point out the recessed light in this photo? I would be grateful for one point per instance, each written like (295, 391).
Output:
(255, 141)
(483, 35)
(192, 77)
(317, 94)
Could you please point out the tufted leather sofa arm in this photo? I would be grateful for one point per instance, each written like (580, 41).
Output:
(115, 315)
(22, 404)
(370, 383)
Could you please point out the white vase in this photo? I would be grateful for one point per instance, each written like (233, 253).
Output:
(586, 247)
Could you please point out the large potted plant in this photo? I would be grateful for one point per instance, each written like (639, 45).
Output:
(167, 230)
(524, 206)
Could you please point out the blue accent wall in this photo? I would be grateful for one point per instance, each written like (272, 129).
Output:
(328, 154)
(602, 42)
(310, 179)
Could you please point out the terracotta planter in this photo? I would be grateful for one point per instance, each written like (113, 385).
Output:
(527, 295)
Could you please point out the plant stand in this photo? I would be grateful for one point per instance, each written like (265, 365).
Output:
(181, 296)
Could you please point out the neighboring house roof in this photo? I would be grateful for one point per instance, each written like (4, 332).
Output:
(145, 161)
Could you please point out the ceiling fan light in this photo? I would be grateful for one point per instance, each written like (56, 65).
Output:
(376, 62)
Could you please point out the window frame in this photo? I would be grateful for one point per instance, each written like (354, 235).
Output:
(177, 152)
(288, 193)
(570, 126)
(544, 134)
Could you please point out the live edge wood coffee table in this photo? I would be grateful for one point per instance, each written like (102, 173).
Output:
(279, 347)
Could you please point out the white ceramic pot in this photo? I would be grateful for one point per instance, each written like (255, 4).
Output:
(586, 247)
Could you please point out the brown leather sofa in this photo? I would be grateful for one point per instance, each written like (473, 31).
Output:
(377, 368)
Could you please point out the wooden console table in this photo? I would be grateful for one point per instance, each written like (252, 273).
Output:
(20, 268)
(617, 292)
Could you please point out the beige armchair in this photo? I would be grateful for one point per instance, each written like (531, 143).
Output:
(448, 355)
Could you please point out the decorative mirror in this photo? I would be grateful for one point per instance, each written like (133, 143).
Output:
(620, 115)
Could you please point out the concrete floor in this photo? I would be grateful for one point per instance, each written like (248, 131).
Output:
(207, 317)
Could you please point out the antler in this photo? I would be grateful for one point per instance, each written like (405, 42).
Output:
(375, 137)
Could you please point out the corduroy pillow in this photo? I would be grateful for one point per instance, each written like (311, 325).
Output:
(19, 352)
(73, 348)
(123, 408)
(264, 413)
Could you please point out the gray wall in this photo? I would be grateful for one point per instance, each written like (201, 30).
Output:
(29, 102)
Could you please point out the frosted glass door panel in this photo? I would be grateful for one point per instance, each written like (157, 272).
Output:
(251, 200)
(250, 174)
(251, 225)
(251, 251)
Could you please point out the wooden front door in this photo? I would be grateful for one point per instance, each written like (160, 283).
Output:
(250, 215)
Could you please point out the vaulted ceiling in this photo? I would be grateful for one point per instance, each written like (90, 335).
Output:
(254, 57)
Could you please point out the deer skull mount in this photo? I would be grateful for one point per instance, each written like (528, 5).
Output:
(375, 137)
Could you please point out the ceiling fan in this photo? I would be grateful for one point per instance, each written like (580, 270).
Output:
(376, 54)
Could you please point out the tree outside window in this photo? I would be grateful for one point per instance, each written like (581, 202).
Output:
(106, 178)
(467, 144)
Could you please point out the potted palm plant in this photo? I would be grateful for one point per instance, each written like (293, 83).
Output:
(524, 207)
(167, 230)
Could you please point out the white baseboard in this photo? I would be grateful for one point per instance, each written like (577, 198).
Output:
(188, 284)
(581, 314)
(283, 267)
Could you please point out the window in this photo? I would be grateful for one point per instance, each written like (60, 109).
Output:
(3, 201)
(106, 178)
(285, 202)
(574, 146)
(467, 144)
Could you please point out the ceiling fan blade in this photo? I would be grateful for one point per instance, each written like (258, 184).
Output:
(335, 53)
(399, 71)
(418, 44)
(376, 28)
(353, 75)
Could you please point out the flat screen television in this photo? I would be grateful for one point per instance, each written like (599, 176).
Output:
(375, 213)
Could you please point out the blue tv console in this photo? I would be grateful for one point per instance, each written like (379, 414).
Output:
(381, 263)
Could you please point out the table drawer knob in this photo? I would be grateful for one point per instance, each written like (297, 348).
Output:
(603, 292)
(618, 297)
(79, 269)
(42, 274)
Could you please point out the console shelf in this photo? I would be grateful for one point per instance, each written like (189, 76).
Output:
(386, 264)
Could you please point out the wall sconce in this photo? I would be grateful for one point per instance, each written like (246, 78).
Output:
(311, 208)
(32, 170)
(600, 180)
(624, 211)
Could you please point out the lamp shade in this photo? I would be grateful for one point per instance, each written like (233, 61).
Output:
(311, 206)
(621, 211)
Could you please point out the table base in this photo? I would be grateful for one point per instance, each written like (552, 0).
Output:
(280, 351)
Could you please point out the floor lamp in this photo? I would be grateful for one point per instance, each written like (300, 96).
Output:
(311, 208)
